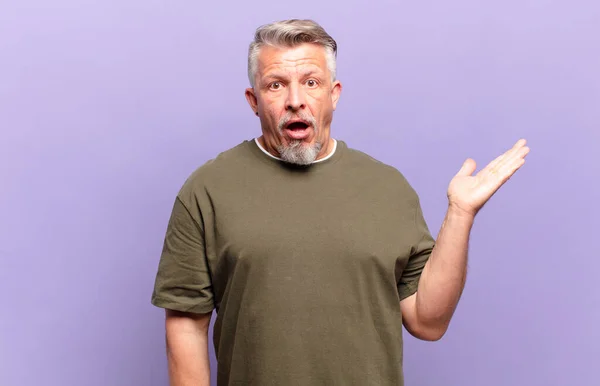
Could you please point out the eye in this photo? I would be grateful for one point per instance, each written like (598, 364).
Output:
(275, 86)
(311, 83)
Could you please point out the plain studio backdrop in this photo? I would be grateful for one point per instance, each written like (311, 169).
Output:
(107, 106)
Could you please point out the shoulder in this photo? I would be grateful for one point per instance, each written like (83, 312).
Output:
(230, 162)
(362, 162)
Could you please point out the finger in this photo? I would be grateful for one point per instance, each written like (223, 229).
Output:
(497, 163)
(510, 153)
(516, 157)
(509, 168)
(467, 169)
(517, 151)
(501, 173)
(499, 176)
(494, 180)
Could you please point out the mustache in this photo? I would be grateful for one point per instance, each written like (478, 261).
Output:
(302, 116)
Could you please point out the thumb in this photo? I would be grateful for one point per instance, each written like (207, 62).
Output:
(467, 168)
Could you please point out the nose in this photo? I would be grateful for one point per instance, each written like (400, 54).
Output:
(295, 99)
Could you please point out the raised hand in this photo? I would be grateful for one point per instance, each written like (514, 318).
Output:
(468, 193)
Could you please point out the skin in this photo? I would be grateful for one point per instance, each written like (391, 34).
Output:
(187, 348)
(294, 82)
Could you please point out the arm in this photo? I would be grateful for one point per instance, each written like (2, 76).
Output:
(187, 348)
(427, 313)
(183, 288)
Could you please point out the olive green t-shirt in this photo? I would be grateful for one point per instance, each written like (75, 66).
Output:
(305, 266)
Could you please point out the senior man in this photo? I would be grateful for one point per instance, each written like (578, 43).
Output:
(313, 254)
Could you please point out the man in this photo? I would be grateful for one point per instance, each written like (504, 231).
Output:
(314, 255)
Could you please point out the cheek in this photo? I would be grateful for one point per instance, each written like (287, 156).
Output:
(274, 115)
(319, 102)
(272, 107)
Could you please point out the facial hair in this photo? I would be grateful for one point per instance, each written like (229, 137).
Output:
(296, 151)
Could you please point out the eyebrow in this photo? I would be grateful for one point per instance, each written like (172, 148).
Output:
(277, 75)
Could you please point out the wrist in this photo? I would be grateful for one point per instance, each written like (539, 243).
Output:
(457, 213)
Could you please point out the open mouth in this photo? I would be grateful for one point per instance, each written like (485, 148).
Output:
(297, 126)
(297, 130)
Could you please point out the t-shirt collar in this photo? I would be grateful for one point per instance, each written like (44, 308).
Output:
(277, 158)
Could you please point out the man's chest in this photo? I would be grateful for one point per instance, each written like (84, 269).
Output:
(304, 228)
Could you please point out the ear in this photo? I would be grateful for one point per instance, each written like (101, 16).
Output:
(335, 93)
(252, 100)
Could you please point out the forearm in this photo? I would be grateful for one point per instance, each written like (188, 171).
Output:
(444, 275)
(427, 313)
(187, 350)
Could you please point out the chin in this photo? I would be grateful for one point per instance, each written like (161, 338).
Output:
(299, 152)
(291, 142)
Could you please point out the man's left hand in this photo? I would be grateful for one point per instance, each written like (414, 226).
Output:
(468, 193)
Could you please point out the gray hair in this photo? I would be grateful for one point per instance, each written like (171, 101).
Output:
(291, 33)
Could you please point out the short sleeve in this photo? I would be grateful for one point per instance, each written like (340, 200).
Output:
(183, 280)
(420, 251)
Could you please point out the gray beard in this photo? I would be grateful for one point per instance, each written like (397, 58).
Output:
(299, 153)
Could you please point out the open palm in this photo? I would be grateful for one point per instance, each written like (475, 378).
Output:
(469, 192)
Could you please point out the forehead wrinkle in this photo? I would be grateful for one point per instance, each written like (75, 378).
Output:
(314, 63)
(301, 70)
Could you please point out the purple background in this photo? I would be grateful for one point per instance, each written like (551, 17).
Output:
(107, 106)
